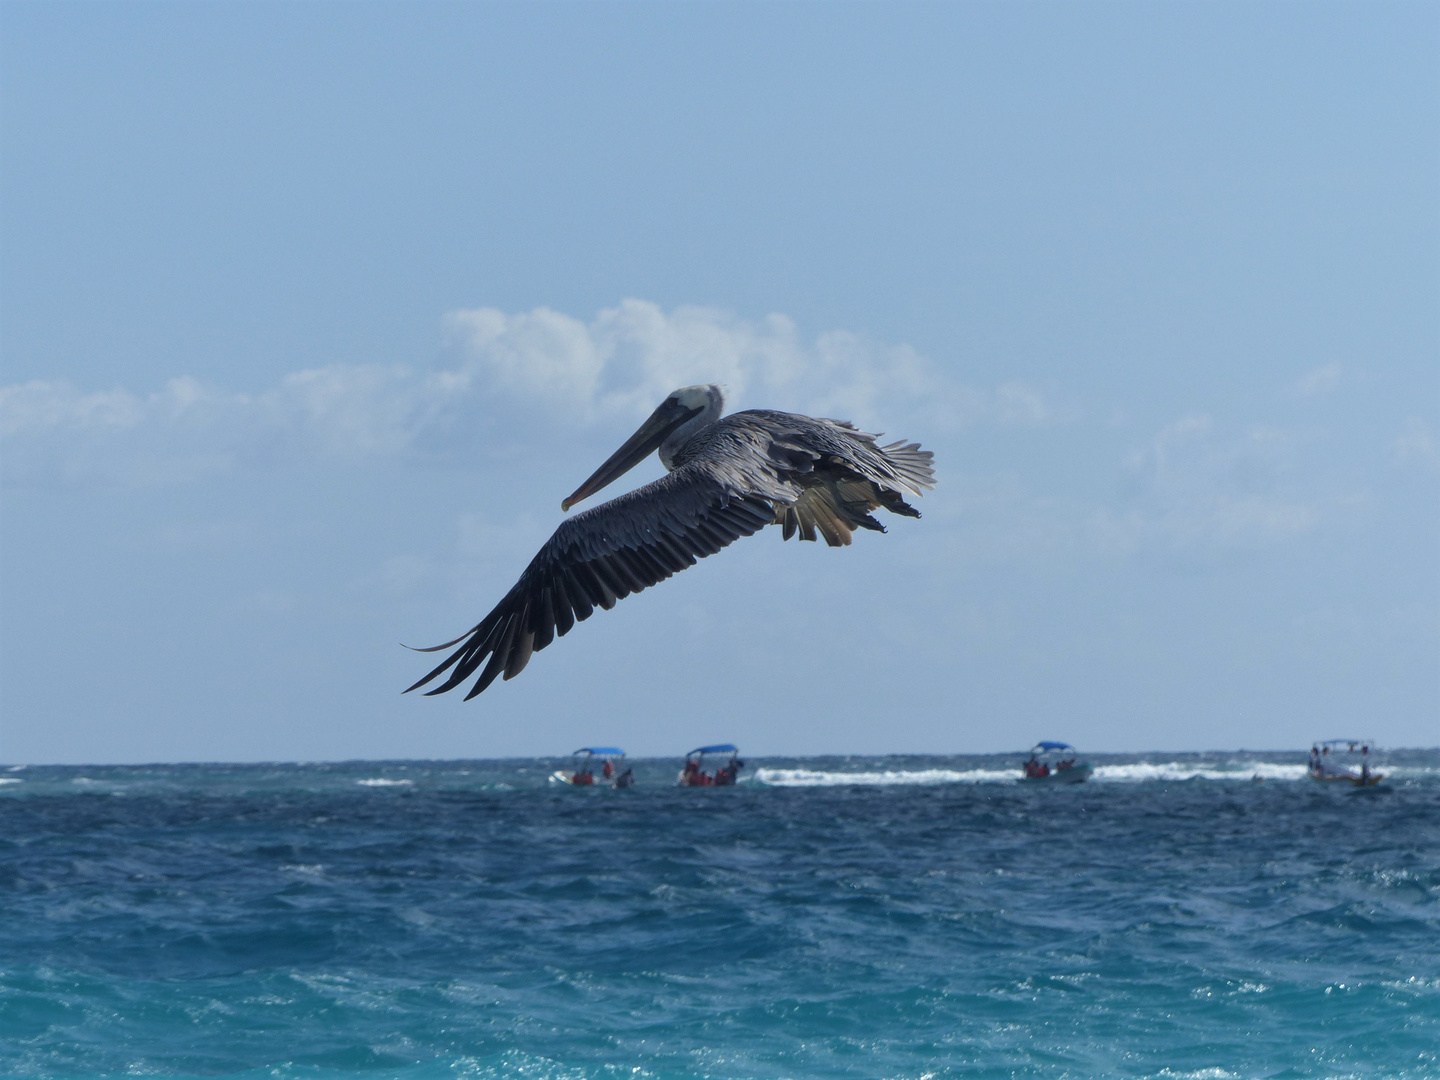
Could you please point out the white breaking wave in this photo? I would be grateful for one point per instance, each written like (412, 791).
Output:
(1178, 770)
(816, 778)
(381, 782)
(10, 780)
(1136, 772)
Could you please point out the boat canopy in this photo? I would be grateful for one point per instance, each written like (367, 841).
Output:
(1343, 742)
(718, 748)
(1052, 746)
(601, 751)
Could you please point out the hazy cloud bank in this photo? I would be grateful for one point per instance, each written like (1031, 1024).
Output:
(540, 383)
(629, 357)
(511, 377)
(1194, 486)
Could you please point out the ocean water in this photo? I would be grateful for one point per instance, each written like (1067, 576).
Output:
(1179, 916)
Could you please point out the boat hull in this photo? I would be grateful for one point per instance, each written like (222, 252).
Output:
(1345, 778)
(560, 776)
(1076, 774)
(624, 780)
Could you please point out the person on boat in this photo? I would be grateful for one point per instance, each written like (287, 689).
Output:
(582, 778)
(726, 774)
(625, 779)
(694, 777)
(609, 770)
(1067, 763)
(1036, 769)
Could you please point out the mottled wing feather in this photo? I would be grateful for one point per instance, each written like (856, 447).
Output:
(898, 466)
(597, 558)
(841, 473)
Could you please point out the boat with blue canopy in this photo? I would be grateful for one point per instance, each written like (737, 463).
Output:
(582, 774)
(1345, 760)
(694, 774)
(1055, 763)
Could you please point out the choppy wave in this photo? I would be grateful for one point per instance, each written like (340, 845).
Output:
(1182, 770)
(824, 778)
(1132, 772)
(380, 781)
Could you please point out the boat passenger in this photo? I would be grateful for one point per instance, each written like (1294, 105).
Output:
(694, 777)
(726, 774)
(582, 778)
(609, 770)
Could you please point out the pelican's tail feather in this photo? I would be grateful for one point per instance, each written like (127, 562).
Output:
(836, 509)
(915, 468)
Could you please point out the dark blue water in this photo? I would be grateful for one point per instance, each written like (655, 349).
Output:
(895, 917)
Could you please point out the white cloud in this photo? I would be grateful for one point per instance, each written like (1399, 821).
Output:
(53, 429)
(623, 362)
(512, 376)
(1320, 381)
(1416, 445)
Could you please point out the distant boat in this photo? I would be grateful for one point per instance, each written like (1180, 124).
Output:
(694, 774)
(1055, 763)
(583, 772)
(1345, 760)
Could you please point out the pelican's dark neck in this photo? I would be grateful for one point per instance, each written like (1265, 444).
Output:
(670, 448)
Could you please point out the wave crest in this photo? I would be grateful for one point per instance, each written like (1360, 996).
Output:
(821, 778)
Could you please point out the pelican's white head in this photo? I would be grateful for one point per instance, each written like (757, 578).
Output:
(708, 399)
(676, 419)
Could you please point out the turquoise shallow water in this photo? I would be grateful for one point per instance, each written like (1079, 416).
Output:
(830, 917)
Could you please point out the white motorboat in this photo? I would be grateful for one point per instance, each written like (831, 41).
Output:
(1055, 763)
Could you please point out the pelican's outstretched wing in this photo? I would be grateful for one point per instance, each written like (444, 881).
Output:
(598, 557)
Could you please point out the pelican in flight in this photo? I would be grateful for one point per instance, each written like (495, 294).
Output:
(727, 478)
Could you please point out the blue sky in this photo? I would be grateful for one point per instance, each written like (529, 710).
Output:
(311, 314)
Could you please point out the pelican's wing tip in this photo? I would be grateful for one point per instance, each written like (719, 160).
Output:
(445, 645)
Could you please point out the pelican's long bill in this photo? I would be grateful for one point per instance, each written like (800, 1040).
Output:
(669, 416)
